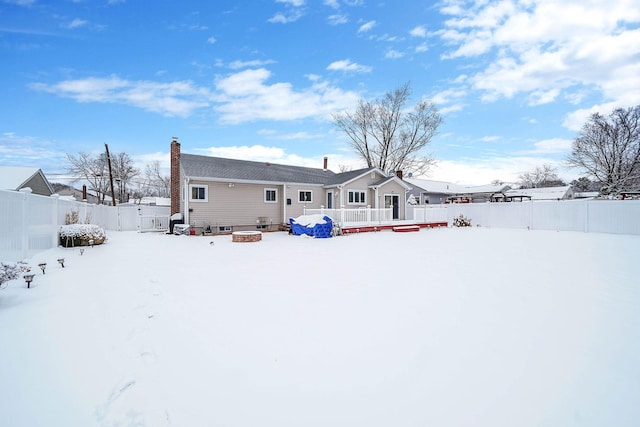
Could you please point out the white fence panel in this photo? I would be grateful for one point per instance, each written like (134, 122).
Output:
(355, 216)
(29, 223)
(427, 213)
(603, 216)
(614, 216)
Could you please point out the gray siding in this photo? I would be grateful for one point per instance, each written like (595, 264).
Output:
(296, 208)
(38, 185)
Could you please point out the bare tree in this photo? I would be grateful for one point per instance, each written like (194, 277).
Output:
(156, 183)
(541, 176)
(123, 174)
(85, 167)
(608, 149)
(386, 136)
(91, 169)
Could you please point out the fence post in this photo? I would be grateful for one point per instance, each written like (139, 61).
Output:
(586, 215)
(24, 246)
(54, 222)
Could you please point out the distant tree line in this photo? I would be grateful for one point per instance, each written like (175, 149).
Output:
(607, 150)
(128, 181)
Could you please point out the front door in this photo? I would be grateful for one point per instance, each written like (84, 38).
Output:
(393, 201)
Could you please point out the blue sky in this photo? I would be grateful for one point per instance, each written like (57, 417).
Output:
(258, 80)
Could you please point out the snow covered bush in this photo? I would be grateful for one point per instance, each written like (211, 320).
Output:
(411, 200)
(461, 221)
(81, 235)
(11, 270)
(73, 217)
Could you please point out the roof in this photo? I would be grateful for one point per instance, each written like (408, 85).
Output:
(544, 193)
(218, 168)
(450, 188)
(14, 178)
(436, 186)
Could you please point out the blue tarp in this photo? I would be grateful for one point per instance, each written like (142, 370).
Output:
(317, 230)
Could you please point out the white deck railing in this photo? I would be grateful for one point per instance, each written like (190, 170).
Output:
(355, 216)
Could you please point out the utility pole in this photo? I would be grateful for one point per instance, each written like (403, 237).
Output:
(113, 194)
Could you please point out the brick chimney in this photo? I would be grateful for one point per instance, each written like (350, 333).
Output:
(326, 162)
(399, 174)
(175, 175)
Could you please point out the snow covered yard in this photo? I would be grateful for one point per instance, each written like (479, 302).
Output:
(443, 327)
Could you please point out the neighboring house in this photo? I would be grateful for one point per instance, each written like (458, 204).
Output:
(151, 201)
(226, 193)
(83, 195)
(18, 178)
(536, 194)
(434, 192)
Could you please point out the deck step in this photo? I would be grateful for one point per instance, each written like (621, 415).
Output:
(406, 228)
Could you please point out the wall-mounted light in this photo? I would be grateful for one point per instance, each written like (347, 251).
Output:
(231, 185)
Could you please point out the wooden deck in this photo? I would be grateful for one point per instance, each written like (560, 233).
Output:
(370, 228)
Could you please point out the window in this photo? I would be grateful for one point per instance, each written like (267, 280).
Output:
(304, 196)
(270, 195)
(356, 197)
(198, 193)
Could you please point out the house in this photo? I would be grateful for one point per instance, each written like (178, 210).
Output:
(564, 192)
(84, 195)
(434, 192)
(18, 178)
(227, 194)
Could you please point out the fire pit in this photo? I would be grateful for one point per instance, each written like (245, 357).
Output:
(246, 236)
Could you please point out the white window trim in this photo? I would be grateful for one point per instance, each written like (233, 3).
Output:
(357, 203)
(206, 193)
(275, 190)
(305, 201)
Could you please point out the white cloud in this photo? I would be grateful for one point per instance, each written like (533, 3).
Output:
(484, 170)
(76, 23)
(211, 40)
(337, 19)
(546, 50)
(294, 3)
(422, 48)
(281, 18)
(294, 11)
(490, 138)
(347, 65)
(261, 153)
(245, 96)
(169, 99)
(332, 4)
(235, 65)
(366, 27)
(552, 146)
(419, 31)
(393, 54)
(18, 150)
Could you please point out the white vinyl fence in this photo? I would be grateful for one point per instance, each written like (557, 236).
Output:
(601, 216)
(29, 223)
(355, 216)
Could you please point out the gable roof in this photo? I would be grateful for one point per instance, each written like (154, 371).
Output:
(543, 193)
(218, 168)
(442, 187)
(15, 178)
(451, 189)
